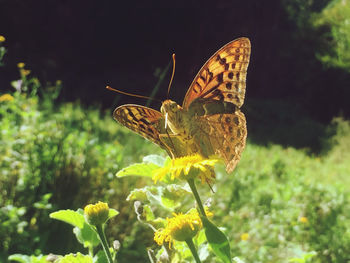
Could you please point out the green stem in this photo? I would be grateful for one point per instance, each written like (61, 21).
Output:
(103, 240)
(193, 250)
(196, 196)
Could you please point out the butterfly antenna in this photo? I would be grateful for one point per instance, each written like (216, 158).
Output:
(172, 75)
(211, 188)
(130, 94)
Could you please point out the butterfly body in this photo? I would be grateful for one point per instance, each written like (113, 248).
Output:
(210, 121)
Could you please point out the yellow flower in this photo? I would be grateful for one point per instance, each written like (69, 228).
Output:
(24, 72)
(303, 219)
(20, 65)
(6, 97)
(2, 38)
(96, 214)
(181, 227)
(188, 167)
(245, 236)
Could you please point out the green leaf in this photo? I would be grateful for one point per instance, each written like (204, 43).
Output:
(20, 258)
(69, 216)
(100, 257)
(76, 258)
(138, 169)
(155, 159)
(28, 259)
(83, 231)
(86, 235)
(112, 213)
(138, 194)
(172, 195)
(148, 213)
(217, 240)
(169, 196)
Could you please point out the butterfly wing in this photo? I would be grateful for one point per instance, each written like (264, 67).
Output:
(223, 76)
(150, 124)
(145, 121)
(226, 135)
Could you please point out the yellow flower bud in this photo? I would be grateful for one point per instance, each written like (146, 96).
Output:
(6, 97)
(96, 214)
(20, 65)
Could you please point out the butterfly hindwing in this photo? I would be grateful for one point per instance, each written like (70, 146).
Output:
(210, 121)
(223, 76)
(226, 134)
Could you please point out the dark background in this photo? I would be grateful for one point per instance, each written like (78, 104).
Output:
(90, 44)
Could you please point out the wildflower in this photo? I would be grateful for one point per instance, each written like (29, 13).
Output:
(96, 214)
(188, 167)
(303, 219)
(2, 38)
(20, 65)
(24, 72)
(181, 227)
(245, 236)
(6, 97)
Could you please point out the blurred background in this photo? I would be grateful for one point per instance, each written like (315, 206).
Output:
(297, 83)
(296, 48)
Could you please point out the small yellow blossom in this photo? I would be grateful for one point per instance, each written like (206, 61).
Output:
(184, 167)
(181, 227)
(2, 38)
(303, 219)
(24, 72)
(20, 65)
(96, 214)
(6, 97)
(245, 236)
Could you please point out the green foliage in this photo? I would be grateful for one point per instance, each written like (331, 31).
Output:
(54, 157)
(334, 21)
(217, 240)
(28, 259)
(289, 205)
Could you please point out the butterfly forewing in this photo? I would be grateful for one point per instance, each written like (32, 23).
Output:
(210, 122)
(145, 121)
(223, 76)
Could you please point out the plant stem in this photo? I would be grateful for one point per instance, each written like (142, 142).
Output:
(103, 240)
(196, 196)
(193, 250)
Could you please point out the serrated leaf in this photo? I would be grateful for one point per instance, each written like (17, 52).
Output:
(138, 169)
(217, 240)
(76, 258)
(69, 216)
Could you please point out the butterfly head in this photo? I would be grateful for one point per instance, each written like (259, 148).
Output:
(171, 111)
(169, 107)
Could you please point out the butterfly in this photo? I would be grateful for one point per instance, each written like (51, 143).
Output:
(209, 122)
